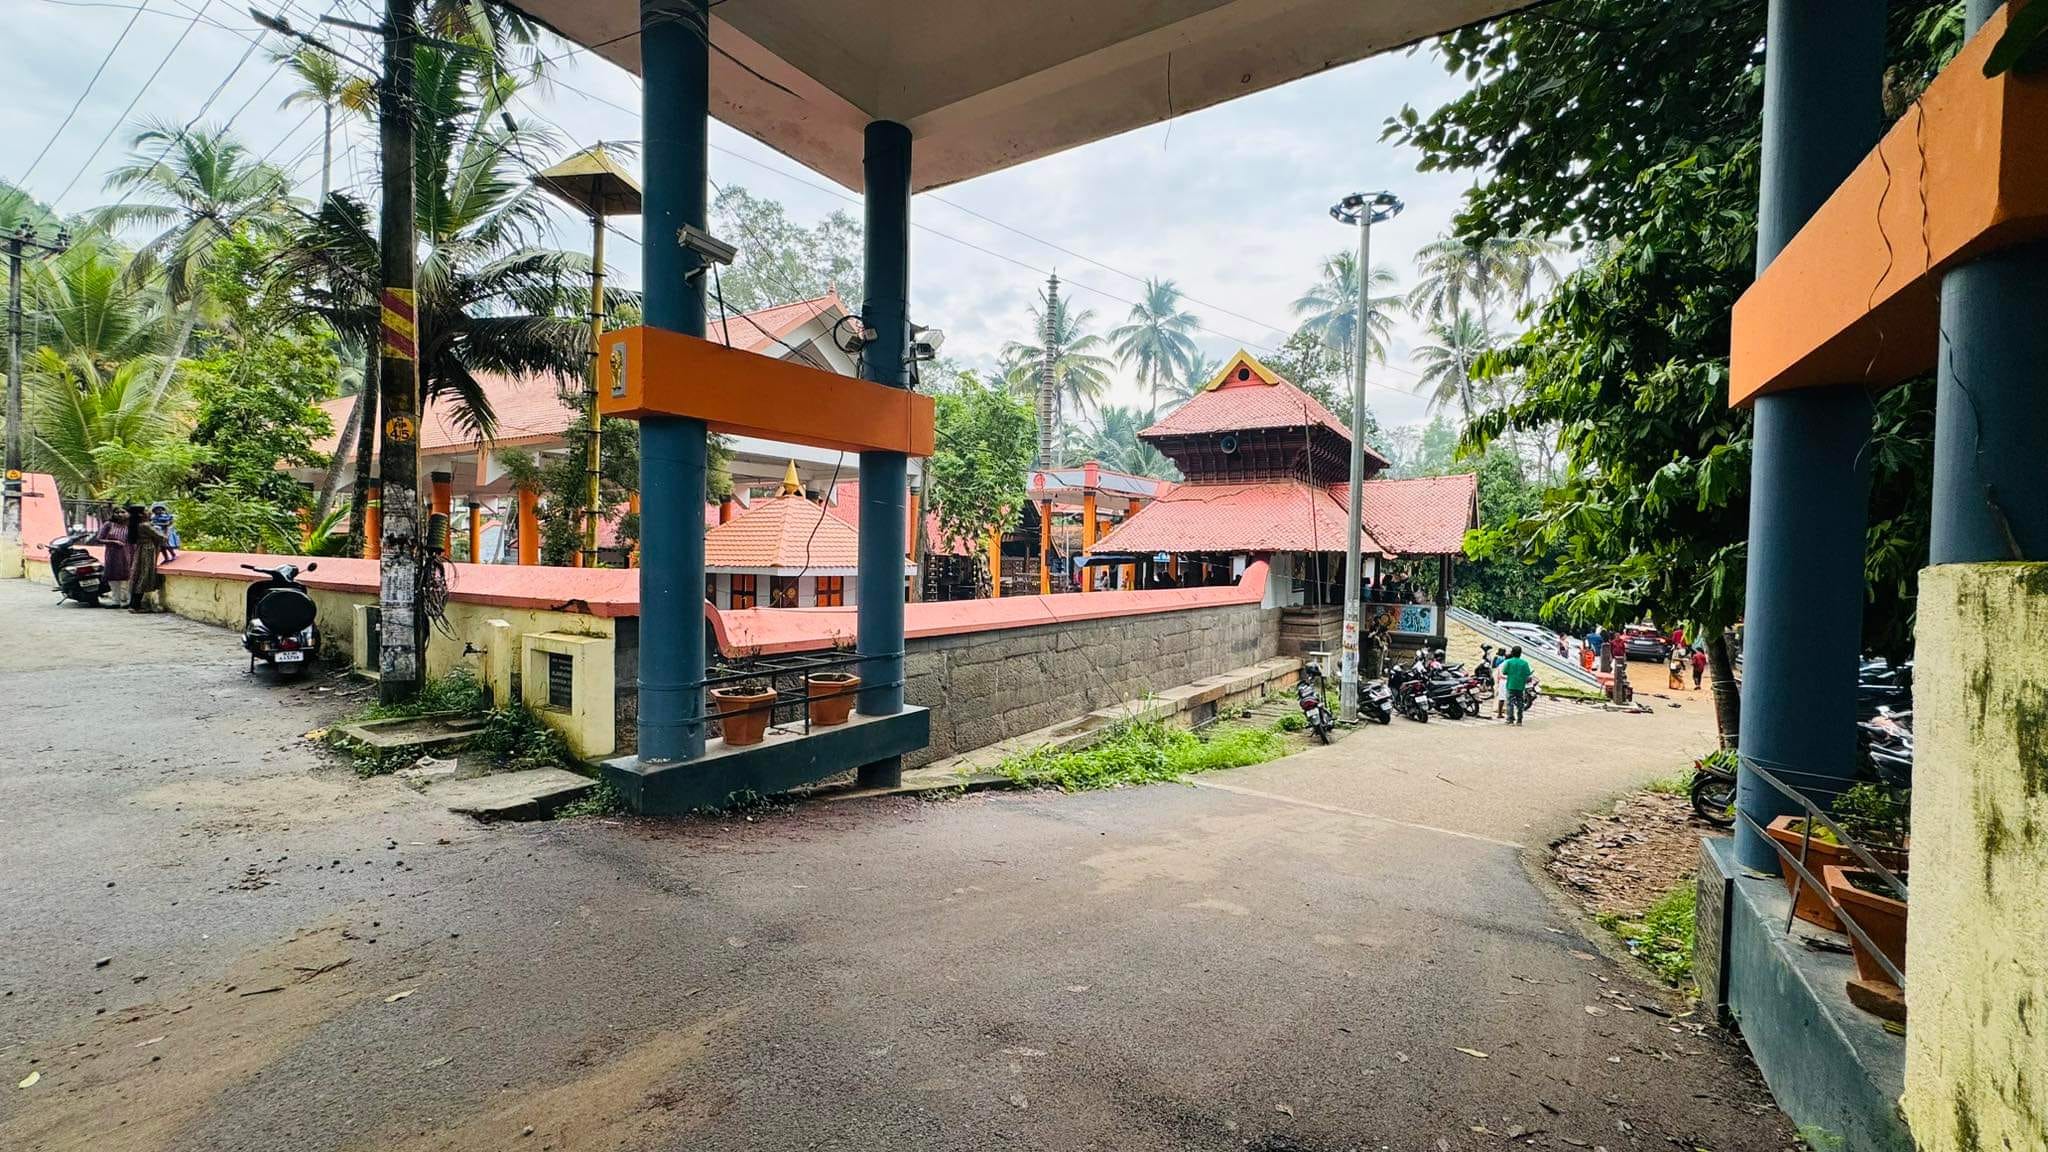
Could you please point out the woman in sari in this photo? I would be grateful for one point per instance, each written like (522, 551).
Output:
(148, 543)
(113, 534)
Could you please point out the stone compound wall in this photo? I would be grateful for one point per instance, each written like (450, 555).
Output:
(1977, 938)
(988, 686)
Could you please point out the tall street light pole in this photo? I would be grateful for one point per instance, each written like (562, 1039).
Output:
(590, 182)
(1363, 209)
(23, 240)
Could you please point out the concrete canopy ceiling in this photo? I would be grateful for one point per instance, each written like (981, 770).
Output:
(984, 84)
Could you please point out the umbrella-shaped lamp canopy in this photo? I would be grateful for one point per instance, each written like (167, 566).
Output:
(593, 181)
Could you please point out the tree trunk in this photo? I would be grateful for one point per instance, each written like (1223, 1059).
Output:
(324, 499)
(1727, 694)
(177, 353)
(366, 447)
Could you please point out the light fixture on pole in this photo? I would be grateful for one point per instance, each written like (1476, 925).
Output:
(1363, 209)
(592, 182)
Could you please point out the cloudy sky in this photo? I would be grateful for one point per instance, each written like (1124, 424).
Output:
(1230, 202)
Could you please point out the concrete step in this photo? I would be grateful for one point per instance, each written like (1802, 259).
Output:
(530, 794)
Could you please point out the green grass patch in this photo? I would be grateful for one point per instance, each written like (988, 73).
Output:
(1663, 937)
(1678, 784)
(512, 736)
(1143, 753)
(603, 800)
(1569, 691)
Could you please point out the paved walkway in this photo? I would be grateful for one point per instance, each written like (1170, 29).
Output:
(1310, 954)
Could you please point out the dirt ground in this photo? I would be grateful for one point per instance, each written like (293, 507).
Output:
(1623, 861)
(220, 939)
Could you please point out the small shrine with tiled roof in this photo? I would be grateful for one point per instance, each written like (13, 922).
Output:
(1267, 477)
(788, 551)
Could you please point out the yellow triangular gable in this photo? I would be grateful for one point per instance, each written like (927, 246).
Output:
(1242, 359)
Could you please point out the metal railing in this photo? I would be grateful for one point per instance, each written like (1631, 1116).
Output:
(1801, 874)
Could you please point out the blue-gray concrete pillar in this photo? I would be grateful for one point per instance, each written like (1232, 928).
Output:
(1991, 412)
(675, 65)
(884, 476)
(1809, 476)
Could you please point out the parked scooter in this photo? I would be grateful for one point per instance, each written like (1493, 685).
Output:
(1308, 692)
(1409, 692)
(1446, 696)
(1713, 791)
(1376, 702)
(278, 621)
(78, 573)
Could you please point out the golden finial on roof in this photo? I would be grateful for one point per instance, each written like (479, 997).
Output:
(791, 486)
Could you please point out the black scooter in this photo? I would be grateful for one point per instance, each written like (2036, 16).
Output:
(1376, 701)
(278, 626)
(1308, 692)
(78, 573)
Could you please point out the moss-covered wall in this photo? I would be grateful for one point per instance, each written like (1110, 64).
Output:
(1977, 939)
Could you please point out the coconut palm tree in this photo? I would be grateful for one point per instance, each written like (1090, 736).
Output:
(1080, 370)
(1329, 309)
(1115, 443)
(105, 435)
(325, 84)
(1455, 345)
(1457, 273)
(1154, 341)
(490, 299)
(88, 315)
(1194, 376)
(201, 184)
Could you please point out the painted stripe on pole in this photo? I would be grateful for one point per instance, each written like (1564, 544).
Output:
(399, 323)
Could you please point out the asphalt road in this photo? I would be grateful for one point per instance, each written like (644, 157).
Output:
(1309, 954)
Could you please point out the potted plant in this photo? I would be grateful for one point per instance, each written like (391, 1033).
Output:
(1822, 852)
(1868, 900)
(743, 711)
(831, 696)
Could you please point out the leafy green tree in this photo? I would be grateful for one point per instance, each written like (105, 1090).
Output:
(200, 184)
(256, 413)
(1504, 587)
(1194, 376)
(1329, 309)
(781, 261)
(985, 441)
(1628, 358)
(88, 314)
(1307, 363)
(117, 435)
(1154, 341)
(1080, 371)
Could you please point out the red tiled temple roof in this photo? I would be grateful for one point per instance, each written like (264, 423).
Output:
(786, 532)
(1244, 396)
(1425, 516)
(1256, 516)
(1421, 517)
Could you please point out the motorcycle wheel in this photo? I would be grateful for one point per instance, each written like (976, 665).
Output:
(1713, 798)
(1453, 710)
(87, 600)
(1470, 703)
(1323, 732)
(1381, 716)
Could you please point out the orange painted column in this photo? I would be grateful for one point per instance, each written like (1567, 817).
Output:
(1088, 526)
(726, 507)
(1045, 548)
(476, 532)
(443, 492)
(995, 565)
(529, 527)
(373, 522)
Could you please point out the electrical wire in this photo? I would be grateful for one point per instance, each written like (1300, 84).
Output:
(123, 117)
(80, 102)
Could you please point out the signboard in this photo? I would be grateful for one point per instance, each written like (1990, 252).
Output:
(1407, 619)
(400, 429)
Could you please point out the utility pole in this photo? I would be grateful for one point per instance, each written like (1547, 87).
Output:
(1363, 209)
(23, 240)
(402, 623)
(1048, 393)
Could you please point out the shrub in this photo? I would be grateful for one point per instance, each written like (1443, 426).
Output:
(1143, 752)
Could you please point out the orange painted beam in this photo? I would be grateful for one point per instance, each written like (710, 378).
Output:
(1855, 297)
(476, 532)
(995, 565)
(655, 372)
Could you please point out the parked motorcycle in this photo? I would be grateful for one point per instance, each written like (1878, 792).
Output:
(1408, 691)
(1445, 696)
(1308, 692)
(1713, 789)
(278, 616)
(78, 573)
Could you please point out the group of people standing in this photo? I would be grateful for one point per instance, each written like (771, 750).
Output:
(1610, 651)
(136, 541)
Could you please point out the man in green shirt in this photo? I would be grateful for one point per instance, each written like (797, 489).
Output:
(1516, 672)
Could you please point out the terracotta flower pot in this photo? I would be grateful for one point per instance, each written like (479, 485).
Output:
(832, 697)
(742, 714)
(1821, 854)
(1882, 918)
